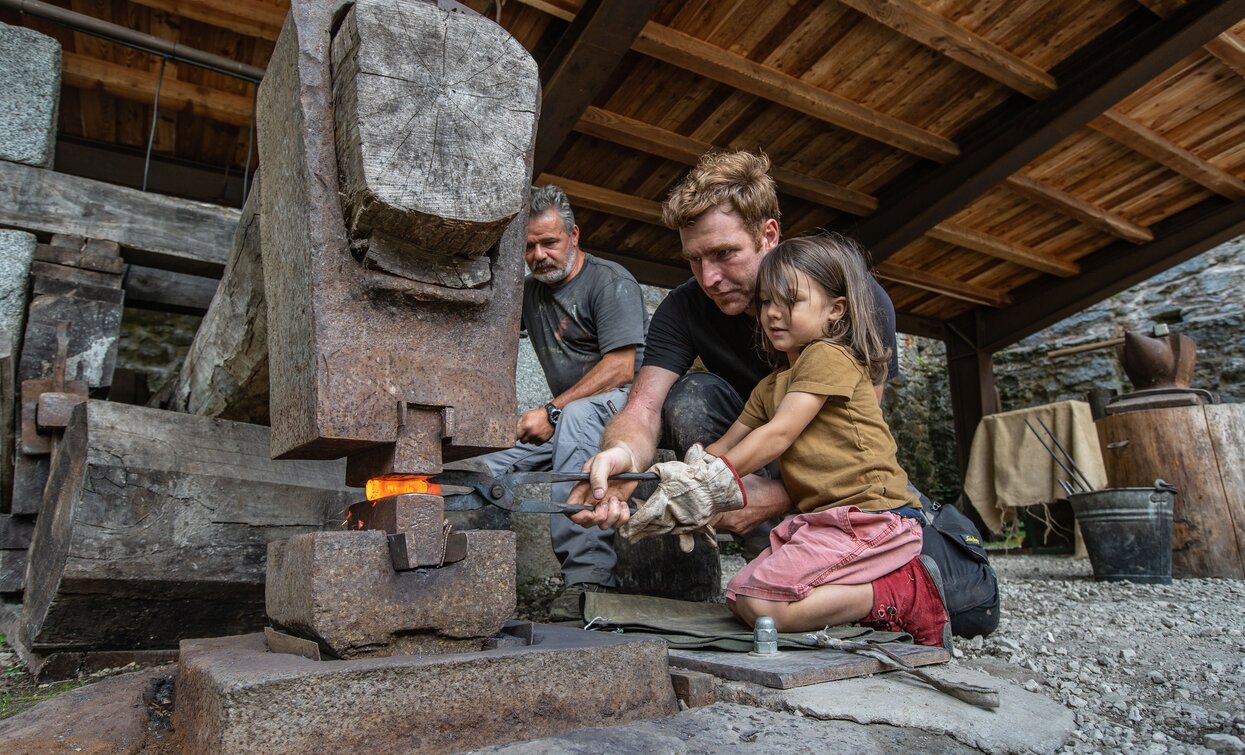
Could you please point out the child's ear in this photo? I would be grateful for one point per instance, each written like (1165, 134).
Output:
(838, 308)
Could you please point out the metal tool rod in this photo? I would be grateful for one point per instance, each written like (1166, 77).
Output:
(1071, 462)
(1051, 451)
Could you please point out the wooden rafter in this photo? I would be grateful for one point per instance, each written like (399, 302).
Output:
(1114, 269)
(136, 85)
(939, 33)
(1087, 213)
(249, 18)
(940, 284)
(1227, 47)
(581, 64)
(968, 238)
(684, 51)
(1169, 154)
(1118, 70)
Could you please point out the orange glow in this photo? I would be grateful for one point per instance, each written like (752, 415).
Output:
(397, 484)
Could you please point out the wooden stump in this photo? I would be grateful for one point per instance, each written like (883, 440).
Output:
(156, 528)
(1199, 449)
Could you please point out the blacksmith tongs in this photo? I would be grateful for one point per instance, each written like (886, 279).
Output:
(465, 490)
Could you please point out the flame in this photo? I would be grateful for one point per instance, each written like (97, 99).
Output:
(396, 484)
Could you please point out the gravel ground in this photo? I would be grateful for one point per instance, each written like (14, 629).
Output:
(1146, 668)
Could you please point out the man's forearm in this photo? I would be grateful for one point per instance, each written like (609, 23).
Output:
(616, 369)
(637, 433)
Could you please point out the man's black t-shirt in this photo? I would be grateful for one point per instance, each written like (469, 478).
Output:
(687, 324)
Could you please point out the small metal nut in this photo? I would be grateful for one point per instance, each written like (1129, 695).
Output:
(764, 636)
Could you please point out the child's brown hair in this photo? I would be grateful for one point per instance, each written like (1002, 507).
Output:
(840, 266)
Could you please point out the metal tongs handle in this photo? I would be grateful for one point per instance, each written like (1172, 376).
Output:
(973, 694)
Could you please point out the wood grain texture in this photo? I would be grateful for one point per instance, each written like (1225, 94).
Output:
(1165, 152)
(160, 231)
(953, 233)
(453, 175)
(1181, 445)
(157, 525)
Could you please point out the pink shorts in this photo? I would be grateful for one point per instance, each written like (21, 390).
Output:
(842, 545)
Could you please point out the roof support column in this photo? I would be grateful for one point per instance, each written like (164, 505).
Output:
(973, 394)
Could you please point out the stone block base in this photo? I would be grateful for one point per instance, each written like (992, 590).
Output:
(233, 695)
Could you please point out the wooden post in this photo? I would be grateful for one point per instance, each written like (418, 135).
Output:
(973, 394)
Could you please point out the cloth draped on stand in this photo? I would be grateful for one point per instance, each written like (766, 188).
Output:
(1008, 468)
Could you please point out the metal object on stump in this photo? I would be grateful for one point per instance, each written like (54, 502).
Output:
(1160, 367)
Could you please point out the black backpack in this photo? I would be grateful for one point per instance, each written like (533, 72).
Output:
(969, 582)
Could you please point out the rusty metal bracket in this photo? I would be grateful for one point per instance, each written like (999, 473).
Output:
(47, 404)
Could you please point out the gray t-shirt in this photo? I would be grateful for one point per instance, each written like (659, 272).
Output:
(574, 324)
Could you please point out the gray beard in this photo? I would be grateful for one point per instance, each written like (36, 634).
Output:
(552, 277)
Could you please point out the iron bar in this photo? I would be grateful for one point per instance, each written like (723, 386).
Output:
(1068, 456)
(1051, 451)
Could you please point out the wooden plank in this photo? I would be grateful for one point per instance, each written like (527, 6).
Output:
(968, 238)
(1227, 47)
(940, 33)
(1085, 212)
(167, 291)
(679, 49)
(654, 140)
(144, 544)
(581, 64)
(1167, 153)
(606, 200)
(941, 284)
(71, 258)
(1226, 423)
(912, 206)
(137, 85)
(8, 401)
(1114, 269)
(155, 230)
(800, 668)
(252, 19)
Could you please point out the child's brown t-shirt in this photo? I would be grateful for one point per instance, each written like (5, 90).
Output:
(846, 455)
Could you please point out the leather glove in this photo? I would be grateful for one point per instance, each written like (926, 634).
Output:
(690, 494)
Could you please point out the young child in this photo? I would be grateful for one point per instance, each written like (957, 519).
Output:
(852, 553)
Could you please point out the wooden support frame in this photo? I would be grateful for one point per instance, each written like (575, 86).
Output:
(1114, 269)
(1227, 47)
(581, 63)
(253, 19)
(1155, 146)
(908, 211)
(971, 380)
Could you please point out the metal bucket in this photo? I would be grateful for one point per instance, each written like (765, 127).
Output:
(1128, 532)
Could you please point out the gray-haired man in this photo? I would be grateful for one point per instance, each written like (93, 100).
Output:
(586, 321)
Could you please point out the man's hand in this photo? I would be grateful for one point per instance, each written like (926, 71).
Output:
(691, 493)
(534, 427)
(767, 499)
(609, 496)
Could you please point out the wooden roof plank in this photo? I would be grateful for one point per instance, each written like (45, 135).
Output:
(941, 284)
(684, 51)
(1158, 148)
(1227, 47)
(940, 33)
(581, 64)
(968, 238)
(251, 19)
(1118, 70)
(1114, 269)
(136, 85)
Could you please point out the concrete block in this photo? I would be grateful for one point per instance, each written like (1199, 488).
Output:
(234, 696)
(340, 589)
(17, 249)
(30, 67)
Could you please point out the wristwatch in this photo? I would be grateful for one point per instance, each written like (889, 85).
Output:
(553, 414)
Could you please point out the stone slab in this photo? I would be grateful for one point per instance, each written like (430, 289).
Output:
(799, 668)
(738, 728)
(30, 67)
(234, 696)
(340, 589)
(17, 250)
(1024, 722)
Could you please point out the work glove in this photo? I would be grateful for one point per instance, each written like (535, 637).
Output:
(689, 495)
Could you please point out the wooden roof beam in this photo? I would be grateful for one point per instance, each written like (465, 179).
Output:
(655, 140)
(1227, 47)
(581, 64)
(982, 243)
(911, 208)
(1114, 269)
(940, 284)
(1086, 212)
(249, 18)
(1158, 148)
(940, 33)
(136, 85)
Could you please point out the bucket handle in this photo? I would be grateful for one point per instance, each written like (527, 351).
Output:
(1162, 486)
